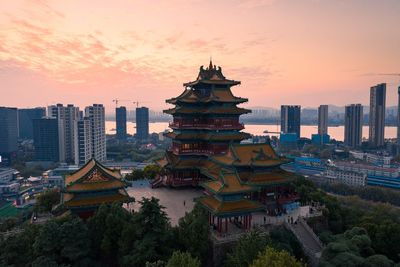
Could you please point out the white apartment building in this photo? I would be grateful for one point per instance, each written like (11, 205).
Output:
(67, 117)
(96, 115)
(350, 178)
(83, 141)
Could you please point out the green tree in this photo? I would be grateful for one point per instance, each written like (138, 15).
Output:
(154, 235)
(192, 233)
(246, 250)
(47, 199)
(136, 174)
(151, 171)
(105, 230)
(63, 241)
(275, 258)
(43, 261)
(378, 260)
(156, 264)
(17, 250)
(182, 259)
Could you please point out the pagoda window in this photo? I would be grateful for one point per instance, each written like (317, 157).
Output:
(185, 146)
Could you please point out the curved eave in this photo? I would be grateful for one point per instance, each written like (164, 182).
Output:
(66, 190)
(266, 183)
(238, 211)
(217, 82)
(221, 190)
(175, 101)
(238, 111)
(207, 137)
(128, 200)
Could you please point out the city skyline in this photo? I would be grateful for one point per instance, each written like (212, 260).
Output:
(74, 52)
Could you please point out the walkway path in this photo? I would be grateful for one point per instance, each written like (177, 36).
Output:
(311, 244)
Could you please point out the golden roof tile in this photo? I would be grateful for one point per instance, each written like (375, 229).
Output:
(225, 207)
(250, 155)
(92, 172)
(96, 200)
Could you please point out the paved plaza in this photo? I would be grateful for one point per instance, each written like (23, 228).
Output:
(176, 201)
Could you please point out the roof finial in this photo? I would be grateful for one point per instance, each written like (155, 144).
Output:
(210, 67)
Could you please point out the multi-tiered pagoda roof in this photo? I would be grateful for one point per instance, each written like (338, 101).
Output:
(205, 121)
(92, 185)
(239, 179)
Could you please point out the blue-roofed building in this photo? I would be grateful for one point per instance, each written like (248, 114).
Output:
(376, 176)
(288, 141)
(318, 139)
(309, 163)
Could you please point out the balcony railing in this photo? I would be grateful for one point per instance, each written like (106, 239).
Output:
(238, 126)
(177, 150)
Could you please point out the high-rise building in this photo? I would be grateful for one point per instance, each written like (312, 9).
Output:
(46, 139)
(290, 119)
(353, 125)
(120, 117)
(25, 121)
(67, 117)
(377, 115)
(398, 120)
(323, 120)
(83, 141)
(8, 130)
(142, 123)
(96, 115)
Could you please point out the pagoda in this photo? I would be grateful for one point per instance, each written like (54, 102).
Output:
(205, 122)
(246, 179)
(92, 185)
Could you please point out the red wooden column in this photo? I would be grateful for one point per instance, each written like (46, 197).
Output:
(250, 217)
(226, 225)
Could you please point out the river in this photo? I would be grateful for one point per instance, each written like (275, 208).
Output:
(336, 132)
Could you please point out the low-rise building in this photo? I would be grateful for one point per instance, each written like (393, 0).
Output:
(350, 178)
(55, 177)
(7, 175)
(380, 176)
(377, 159)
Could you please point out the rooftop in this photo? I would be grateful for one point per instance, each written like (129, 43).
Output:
(211, 75)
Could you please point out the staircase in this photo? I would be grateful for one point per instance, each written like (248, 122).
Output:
(157, 182)
(309, 241)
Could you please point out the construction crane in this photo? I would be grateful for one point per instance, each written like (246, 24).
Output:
(137, 103)
(390, 74)
(116, 101)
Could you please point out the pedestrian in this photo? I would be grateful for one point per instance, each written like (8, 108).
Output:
(184, 203)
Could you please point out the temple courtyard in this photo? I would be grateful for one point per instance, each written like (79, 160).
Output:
(179, 201)
(176, 201)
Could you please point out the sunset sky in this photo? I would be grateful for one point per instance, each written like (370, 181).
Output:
(306, 52)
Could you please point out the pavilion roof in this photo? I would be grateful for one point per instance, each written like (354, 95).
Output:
(237, 207)
(216, 95)
(274, 177)
(72, 201)
(228, 183)
(93, 176)
(211, 75)
(233, 110)
(182, 162)
(257, 155)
